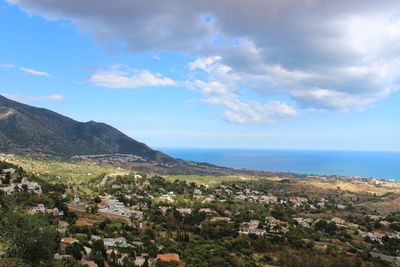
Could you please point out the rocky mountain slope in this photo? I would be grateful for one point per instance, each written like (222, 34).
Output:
(26, 129)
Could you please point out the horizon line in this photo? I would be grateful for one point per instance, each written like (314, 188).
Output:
(276, 149)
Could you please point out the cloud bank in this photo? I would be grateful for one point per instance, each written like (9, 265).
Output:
(331, 55)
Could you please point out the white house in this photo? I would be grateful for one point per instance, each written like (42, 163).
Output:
(115, 242)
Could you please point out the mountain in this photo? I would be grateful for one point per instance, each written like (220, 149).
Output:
(27, 129)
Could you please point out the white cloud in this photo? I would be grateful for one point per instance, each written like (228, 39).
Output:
(335, 55)
(35, 72)
(123, 77)
(254, 112)
(206, 64)
(238, 110)
(221, 88)
(7, 66)
(30, 99)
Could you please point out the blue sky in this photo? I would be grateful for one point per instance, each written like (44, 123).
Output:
(214, 83)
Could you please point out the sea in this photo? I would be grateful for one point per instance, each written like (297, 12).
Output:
(383, 165)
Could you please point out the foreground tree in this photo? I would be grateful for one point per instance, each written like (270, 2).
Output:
(74, 250)
(31, 238)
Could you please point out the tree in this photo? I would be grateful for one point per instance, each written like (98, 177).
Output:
(31, 238)
(146, 262)
(99, 248)
(74, 250)
(182, 236)
(295, 239)
(99, 260)
(97, 199)
(99, 253)
(331, 228)
(150, 233)
(114, 258)
(260, 244)
(94, 209)
(321, 225)
(128, 262)
(6, 179)
(167, 264)
(67, 263)
(395, 226)
(12, 262)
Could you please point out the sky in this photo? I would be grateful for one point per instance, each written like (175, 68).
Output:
(287, 74)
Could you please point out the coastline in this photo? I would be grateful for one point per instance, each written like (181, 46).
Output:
(353, 164)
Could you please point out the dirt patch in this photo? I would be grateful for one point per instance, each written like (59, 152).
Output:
(384, 207)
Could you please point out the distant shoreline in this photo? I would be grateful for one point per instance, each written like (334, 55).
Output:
(363, 164)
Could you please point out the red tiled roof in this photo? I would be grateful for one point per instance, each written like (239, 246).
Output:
(168, 257)
(69, 240)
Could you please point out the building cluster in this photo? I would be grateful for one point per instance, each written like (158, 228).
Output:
(388, 183)
(252, 227)
(41, 208)
(11, 181)
(110, 159)
(167, 198)
(115, 248)
(114, 207)
(111, 206)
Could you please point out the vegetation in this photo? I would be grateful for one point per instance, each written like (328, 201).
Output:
(122, 219)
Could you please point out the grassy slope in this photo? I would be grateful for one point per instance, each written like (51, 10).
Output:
(356, 188)
(212, 180)
(65, 172)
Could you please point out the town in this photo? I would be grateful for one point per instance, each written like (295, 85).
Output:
(146, 220)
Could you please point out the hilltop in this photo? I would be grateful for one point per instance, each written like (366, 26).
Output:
(26, 129)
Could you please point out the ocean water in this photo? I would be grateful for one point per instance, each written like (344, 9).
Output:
(384, 165)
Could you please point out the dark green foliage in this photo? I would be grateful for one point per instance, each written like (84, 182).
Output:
(390, 246)
(304, 258)
(98, 248)
(259, 243)
(295, 239)
(321, 225)
(395, 226)
(74, 250)
(97, 199)
(329, 228)
(166, 264)
(215, 230)
(12, 262)
(209, 254)
(66, 263)
(31, 238)
(182, 236)
(128, 262)
(393, 217)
